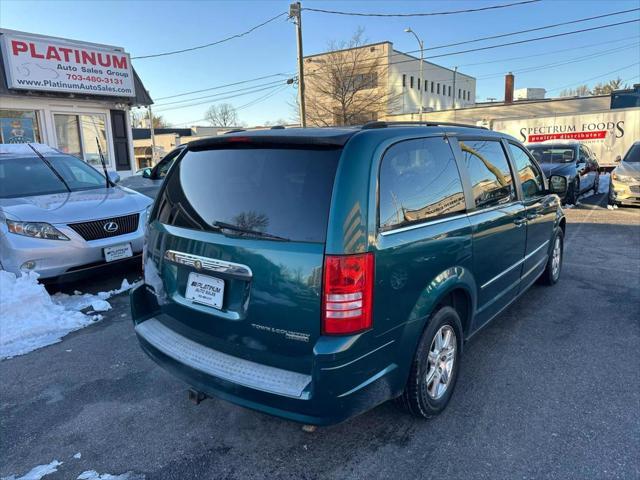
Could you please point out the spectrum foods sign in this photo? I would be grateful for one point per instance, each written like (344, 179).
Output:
(54, 65)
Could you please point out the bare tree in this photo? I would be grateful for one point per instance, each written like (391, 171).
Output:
(602, 88)
(140, 119)
(222, 115)
(346, 85)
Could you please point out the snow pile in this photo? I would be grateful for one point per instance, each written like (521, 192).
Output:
(38, 472)
(98, 302)
(93, 475)
(31, 319)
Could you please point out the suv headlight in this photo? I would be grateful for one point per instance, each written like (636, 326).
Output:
(36, 230)
(621, 178)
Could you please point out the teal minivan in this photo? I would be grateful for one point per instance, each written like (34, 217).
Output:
(313, 274)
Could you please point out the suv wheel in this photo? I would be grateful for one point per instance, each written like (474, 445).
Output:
(551, 273)
(434, 370)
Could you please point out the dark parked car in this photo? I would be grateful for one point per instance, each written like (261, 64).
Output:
(572, 160)
(149, 180)
(316, 273)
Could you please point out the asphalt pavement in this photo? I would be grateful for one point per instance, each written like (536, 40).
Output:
(550, 389)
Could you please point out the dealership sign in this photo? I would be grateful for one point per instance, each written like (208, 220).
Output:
(54, 65)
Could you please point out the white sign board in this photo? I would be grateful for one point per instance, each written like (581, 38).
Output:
(53, 65)
(608, 134)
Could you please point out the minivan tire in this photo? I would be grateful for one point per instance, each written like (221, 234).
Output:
(417, 398)
(550, 276)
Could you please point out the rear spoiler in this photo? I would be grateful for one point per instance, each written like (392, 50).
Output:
(244, 140)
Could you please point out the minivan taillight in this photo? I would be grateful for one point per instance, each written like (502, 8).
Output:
(347, 295)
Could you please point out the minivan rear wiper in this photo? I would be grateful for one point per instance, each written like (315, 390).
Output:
(248, 231)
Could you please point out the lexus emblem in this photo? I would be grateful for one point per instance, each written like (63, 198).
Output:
(197, 264)
(110, 227)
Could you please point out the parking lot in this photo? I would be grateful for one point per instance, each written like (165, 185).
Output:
(551, 389)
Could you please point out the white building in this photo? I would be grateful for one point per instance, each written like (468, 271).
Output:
(441, 86)
(70, 95)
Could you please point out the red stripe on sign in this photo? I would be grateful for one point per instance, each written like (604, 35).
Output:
(568, 136)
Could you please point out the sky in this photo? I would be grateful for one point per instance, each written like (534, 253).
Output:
(149, 27)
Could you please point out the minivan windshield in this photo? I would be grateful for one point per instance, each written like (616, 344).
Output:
(553, 154)
(28, 175)
(271, 193)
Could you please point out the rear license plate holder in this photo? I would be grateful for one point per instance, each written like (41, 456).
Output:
(205, 290)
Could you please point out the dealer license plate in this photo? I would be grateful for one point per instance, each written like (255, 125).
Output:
(205, 290)
(118, 252)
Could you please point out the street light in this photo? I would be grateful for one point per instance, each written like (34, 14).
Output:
(421, 44)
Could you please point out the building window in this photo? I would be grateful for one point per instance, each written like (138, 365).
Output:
(19, 126)
(425, 85)
(432, 86)
(79, 135)
(438, 88)
(459, 93)
(449, 91)
(468, 95)
(419, 83)
(404, 80)
(411, 82)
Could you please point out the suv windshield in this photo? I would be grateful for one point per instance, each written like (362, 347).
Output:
(281, 193)
(553, 154)
(633, 155)
(26, 175)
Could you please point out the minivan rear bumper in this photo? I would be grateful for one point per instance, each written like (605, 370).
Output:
(332, 392)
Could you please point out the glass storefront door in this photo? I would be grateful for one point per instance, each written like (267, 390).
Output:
(80, 135)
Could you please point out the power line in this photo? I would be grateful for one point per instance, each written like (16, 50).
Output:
(218, 99)
(581, 58)
(217, 42)
(452, 12)
(551, 52)
(276, 82)
(474, 40)
(594, 78)
(493, 37)
(262, 98)
(224, 86)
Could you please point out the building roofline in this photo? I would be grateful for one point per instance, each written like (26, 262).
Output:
(71, 41)
(347, 49)
(431, 63)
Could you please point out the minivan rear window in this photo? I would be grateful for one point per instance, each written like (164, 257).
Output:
(281, 192)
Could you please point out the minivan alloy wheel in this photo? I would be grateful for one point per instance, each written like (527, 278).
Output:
(442, 355)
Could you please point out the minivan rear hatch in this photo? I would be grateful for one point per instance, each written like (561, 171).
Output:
(239, 234)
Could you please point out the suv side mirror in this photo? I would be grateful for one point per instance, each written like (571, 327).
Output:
(618, 159)
(146, 173)
(114, 177)
(558, 185)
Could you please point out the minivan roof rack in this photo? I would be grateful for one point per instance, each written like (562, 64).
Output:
(278, 127)
(235, 130)
(383, 124)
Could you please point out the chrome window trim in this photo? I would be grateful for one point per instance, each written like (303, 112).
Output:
(422, 224)
(518, 263)
(495, 207)
(210, 264)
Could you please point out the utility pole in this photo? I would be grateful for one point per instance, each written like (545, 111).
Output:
(295, 12)
(455, 70)
(153, 137)
(421, 74)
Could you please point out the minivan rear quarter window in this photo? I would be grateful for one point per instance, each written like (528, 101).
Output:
(491, 179)
(283, 192)
(419, 180)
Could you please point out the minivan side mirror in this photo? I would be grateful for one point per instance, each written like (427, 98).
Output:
(558, 185)
(146, 173)
(114, 177)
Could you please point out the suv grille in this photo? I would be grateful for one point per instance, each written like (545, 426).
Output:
(108, 227)
(635, 188)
